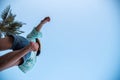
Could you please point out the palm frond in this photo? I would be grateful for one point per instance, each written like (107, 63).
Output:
(16, 24)
(5, 13)
(8, 23)
(14, 30)
(10, 18)
(3, 28)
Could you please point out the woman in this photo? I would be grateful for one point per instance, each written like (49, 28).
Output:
(25, 50)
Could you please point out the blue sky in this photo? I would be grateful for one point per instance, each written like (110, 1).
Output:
(80, 43)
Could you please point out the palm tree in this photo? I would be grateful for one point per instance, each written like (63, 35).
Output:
(8, 25)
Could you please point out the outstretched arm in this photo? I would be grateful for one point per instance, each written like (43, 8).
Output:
(45, 20)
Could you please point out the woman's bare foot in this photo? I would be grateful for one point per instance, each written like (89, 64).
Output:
(45, 20)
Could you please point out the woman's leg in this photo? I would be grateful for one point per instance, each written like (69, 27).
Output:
(14, 58)
(6, 43)
(20, 61)
(45, 20)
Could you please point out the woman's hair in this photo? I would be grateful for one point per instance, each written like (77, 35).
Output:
(39, 49)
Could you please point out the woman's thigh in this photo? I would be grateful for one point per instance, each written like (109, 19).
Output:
(6, 43)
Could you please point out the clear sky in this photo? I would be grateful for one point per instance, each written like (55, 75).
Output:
(80, 43)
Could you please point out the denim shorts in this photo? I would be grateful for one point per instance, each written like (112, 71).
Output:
(20, 42)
